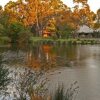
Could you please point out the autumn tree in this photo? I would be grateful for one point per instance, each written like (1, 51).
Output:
(97, 20)
(1, 26)
(40, 15)
(80, 1)
(1, 10)
(64, 23)
(82, 15)
(98, 16)
(35, 13)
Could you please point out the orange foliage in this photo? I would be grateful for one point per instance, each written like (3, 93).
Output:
(40, 12)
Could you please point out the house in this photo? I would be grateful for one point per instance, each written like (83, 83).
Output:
(85, 31)
(98, 30)
(96, 33)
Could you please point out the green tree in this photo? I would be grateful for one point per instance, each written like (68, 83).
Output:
(65, 31)
(16, 31)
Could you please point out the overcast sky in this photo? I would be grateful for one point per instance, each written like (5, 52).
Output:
(94, 4)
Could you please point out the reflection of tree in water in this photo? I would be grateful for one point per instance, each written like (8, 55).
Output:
(15, 55)
(16, 47)
(38, 56)
(46, 57)
(28, 83)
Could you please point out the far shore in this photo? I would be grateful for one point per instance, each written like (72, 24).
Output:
(42, 40)
(49, 40)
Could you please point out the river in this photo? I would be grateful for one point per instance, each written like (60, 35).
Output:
(59, 64)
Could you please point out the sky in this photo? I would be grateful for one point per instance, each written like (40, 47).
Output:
(94, 4)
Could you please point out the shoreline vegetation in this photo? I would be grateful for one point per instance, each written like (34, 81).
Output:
(4, 40)
(21, 22)
(42, 40)
(82, 41)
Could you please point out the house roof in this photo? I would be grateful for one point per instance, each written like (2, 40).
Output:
(98, 30)
(85, 29)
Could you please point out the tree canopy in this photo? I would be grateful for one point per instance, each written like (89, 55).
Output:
(37, 15)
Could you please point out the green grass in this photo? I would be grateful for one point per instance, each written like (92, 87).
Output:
(64, 41)
(42, 40)
(4, 40)
(49, 40)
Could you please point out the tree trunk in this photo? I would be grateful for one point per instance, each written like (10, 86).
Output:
(37, 20)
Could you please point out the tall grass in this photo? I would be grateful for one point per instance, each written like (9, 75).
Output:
(60, 93)
(69, 94)
(4, 79)
(29, 86)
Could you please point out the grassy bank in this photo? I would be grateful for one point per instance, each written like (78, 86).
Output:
(42, 40)
(4, 40)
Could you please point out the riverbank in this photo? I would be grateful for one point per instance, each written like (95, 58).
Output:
(42, 40)
(4, 40)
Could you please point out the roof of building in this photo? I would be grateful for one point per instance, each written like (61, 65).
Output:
(85, 29)
(98, 30)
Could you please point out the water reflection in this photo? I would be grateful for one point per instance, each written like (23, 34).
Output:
(70, 62)
(45, 57)
(51, 56)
